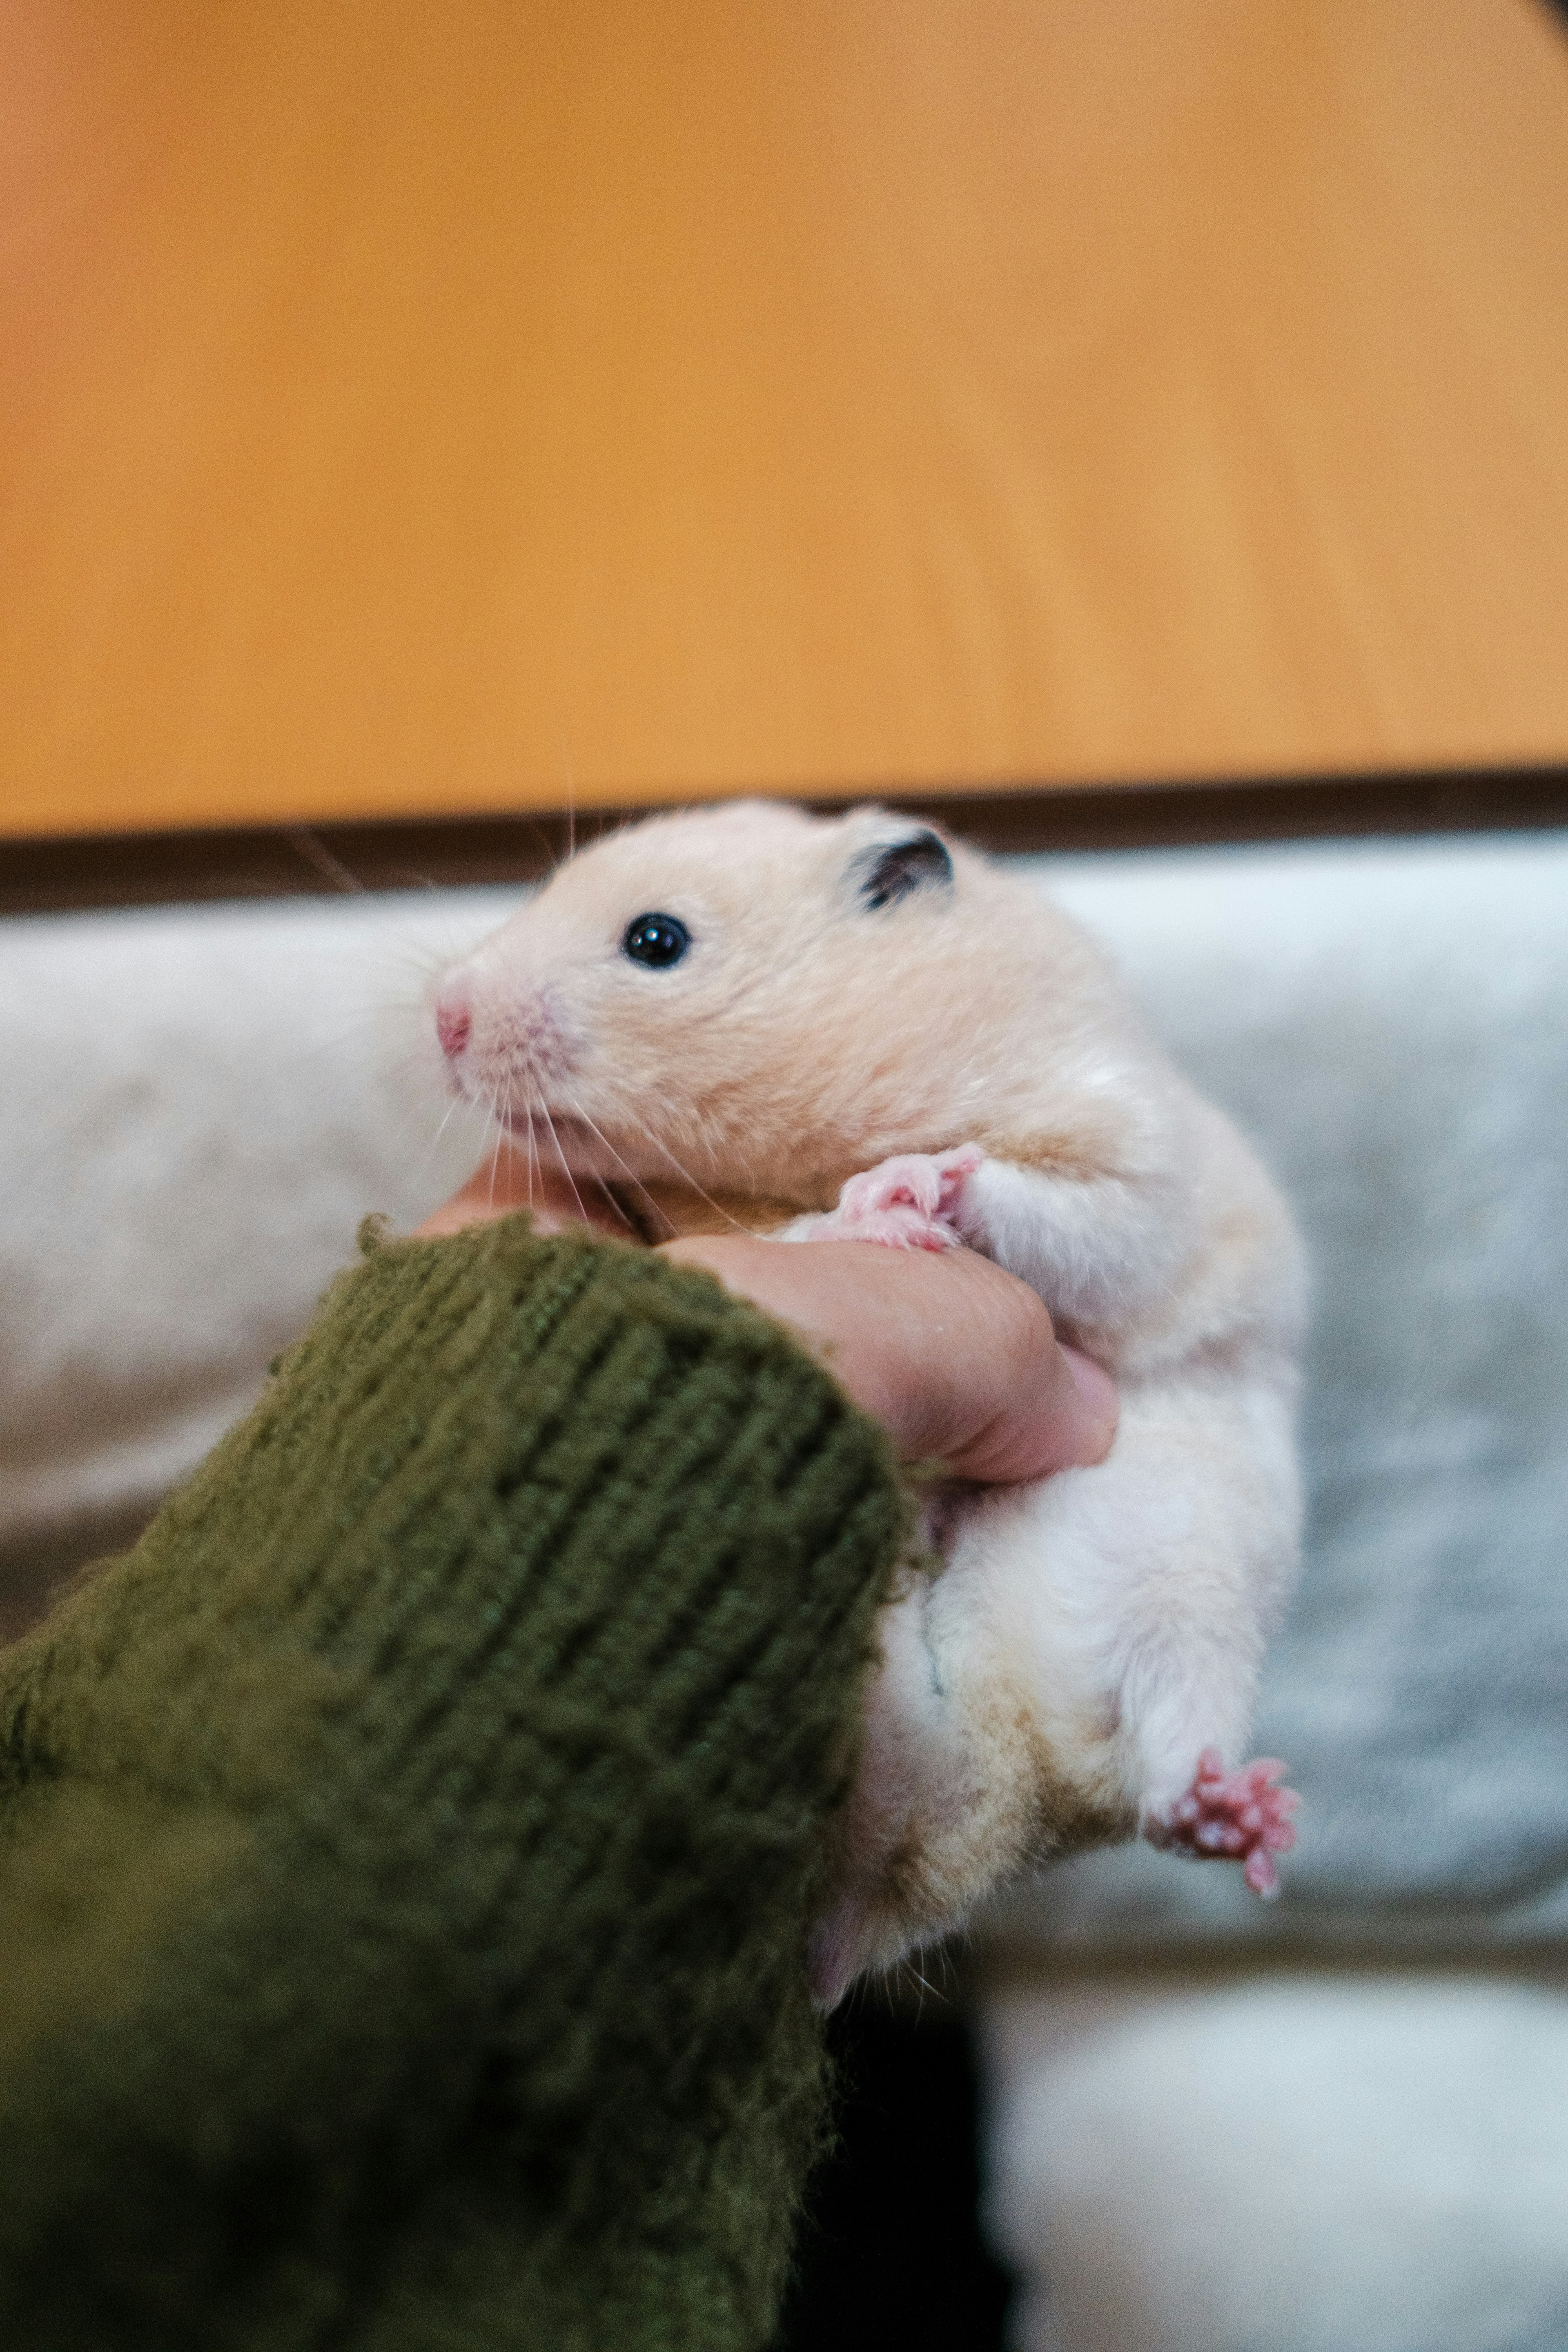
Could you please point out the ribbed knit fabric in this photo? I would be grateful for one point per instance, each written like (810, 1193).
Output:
(409, 1850)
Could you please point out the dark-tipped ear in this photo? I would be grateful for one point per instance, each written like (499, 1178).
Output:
(895, 872)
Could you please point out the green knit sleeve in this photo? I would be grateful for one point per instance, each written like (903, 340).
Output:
(408, 1853)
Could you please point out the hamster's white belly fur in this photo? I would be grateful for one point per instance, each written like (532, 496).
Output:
(1089, 1635)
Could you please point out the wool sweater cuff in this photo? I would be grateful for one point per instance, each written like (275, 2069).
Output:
(433, 1809)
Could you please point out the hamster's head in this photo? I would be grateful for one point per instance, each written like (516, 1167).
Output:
(747, 995)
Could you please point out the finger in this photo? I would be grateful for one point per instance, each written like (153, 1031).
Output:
(1011, 1403)
(956, 1358)
(1069, 1424)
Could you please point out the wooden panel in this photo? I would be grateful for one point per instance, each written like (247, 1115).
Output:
(46, 875)
(454, 405)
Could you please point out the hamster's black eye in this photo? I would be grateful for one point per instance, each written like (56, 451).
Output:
(657, 940)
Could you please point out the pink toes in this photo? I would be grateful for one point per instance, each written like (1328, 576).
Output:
(1242, 1816)
(908, 1202)
(1258, 1872)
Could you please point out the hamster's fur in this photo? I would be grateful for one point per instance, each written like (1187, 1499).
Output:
(847, 992)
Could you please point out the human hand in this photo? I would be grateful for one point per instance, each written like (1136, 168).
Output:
(957, 1359)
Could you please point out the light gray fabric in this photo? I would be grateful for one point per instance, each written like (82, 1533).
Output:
(197, 1106)
(1309, 2163)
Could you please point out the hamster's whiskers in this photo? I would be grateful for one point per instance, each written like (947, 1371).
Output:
(631, 1175)
(309, 845)
(535, 1165)
(565, 1169)
(686, 1178)
(434, 1145)
(495, 1148)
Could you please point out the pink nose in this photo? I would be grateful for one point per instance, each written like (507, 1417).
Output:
(454, 1019)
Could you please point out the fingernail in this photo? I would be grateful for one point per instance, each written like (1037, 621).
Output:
(1101, 1405)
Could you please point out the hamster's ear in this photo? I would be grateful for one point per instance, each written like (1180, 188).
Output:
(897, 869)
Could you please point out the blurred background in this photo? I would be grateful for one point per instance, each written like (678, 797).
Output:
(412, 409)
(1118, 425)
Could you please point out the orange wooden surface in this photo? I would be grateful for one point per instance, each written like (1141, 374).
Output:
(454, 404)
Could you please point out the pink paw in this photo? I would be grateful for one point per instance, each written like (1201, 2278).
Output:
(908, 1202)
(1240, 1816)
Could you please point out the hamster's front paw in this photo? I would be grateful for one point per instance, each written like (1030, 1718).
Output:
(1241, 1816)
(908, 1202)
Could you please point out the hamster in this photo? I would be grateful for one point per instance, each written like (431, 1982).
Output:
(858, 1028)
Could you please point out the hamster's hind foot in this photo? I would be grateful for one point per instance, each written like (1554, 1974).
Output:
(907, 1203)
(1242, 1816)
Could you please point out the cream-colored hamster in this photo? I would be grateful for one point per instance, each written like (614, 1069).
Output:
(859, 1028)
